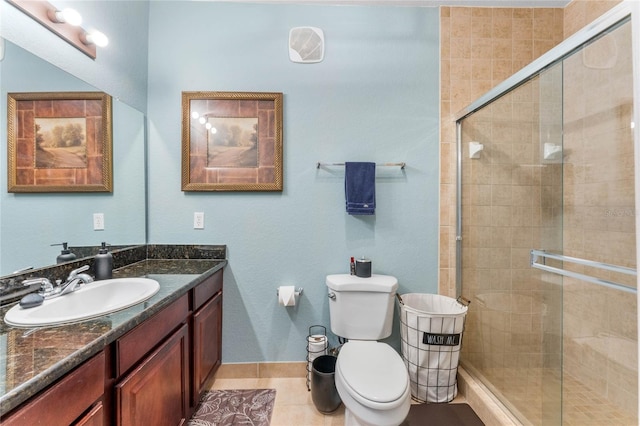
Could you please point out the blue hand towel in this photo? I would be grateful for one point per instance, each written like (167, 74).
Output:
(360, 188)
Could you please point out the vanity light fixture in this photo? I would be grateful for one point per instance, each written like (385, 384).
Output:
(65, 23)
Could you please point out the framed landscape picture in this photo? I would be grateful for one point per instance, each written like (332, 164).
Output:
(231, 141)
(59, 142)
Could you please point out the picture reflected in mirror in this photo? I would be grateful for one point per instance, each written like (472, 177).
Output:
(31, 222)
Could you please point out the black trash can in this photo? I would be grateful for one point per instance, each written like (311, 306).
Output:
(323, 384)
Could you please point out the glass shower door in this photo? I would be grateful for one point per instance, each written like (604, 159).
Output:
(548, 168)
(511, 203)
(600, 336)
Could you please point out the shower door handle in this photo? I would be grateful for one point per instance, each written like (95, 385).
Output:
(542, 254)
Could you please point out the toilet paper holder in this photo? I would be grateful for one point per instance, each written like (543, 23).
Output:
(298, 291)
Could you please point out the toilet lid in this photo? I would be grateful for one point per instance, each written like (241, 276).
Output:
(374, 370)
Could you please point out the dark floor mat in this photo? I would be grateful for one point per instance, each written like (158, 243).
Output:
(442, 415)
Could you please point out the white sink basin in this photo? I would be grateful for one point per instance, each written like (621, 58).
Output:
(90, 301)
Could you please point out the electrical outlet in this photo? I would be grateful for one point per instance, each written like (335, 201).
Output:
(98, 221)
(198, 220)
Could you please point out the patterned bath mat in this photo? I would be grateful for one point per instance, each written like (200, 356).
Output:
(235, 407)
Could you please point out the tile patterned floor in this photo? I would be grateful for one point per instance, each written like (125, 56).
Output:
(293, 404)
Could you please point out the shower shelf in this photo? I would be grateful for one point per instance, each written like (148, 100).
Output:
(542, 254)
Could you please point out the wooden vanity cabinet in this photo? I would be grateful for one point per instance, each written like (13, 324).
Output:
(163, 365)
(207, 334)
(133, 346)
(95, 417)
(64, 403)
(152, 369)
(152, 375)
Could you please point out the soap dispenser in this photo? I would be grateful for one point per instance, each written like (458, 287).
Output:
(65, 255)
(103, 264)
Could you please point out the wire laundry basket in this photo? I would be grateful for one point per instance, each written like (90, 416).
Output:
(431, 329)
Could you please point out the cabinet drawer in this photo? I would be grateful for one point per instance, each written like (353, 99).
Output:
(66, 400)
(204, 291)
(133, 346)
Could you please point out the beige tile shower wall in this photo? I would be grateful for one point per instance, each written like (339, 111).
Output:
(511, 203)
(475, 44)
(600, 348)
(479, 48)
(579, 13)
(600, 326)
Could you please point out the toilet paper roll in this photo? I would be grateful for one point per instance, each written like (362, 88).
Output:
(316, 345)
(287, 295)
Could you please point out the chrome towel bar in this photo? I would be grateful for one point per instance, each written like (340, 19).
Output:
(537, 255)
(401, 165)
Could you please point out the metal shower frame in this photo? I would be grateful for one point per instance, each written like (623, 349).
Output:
(626, 9)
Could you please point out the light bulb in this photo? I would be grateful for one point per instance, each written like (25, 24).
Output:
(95, 37)
(208, 126)
(195, 115)
(71, 16)
(214, 130)
(202, 120)
(68, 15)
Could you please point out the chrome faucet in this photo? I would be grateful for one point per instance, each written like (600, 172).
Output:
(46, 288)
(75, 279)
(76, 273)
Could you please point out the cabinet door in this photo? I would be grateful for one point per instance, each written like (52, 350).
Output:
(95, 417)
(156, 392)
(207, 343)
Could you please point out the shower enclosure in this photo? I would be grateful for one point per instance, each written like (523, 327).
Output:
(547, 233)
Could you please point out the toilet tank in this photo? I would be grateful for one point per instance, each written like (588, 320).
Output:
(361, 308)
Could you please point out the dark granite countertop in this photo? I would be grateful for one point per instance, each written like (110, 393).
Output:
(33, 358)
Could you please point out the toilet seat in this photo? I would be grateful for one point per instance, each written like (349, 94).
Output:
(374, 374)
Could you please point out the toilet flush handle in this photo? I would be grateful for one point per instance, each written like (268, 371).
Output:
(332, 295)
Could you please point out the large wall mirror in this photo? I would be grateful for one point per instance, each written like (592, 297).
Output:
(31, 222)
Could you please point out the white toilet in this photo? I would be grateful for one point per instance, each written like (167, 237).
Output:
(371, 377)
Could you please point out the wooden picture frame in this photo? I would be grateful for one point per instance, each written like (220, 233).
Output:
(231, 141)
(59, 142)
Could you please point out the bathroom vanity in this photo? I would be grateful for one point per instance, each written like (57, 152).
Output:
(147, 364)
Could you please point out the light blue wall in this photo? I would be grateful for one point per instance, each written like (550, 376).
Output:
(373, 98)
